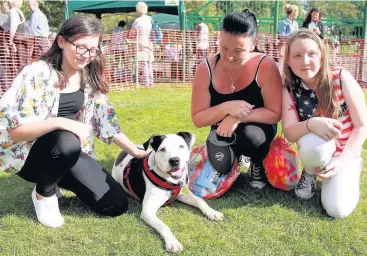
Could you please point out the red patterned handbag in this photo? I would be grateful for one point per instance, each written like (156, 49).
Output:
(282, 165)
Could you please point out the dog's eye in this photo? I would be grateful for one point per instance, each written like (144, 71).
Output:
(162, 150)
(182, 146)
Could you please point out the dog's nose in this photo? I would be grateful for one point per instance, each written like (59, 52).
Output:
(174, 161)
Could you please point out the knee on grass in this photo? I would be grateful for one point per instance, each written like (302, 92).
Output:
(113, 206)
(339, 209)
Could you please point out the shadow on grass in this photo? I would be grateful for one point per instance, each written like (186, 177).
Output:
(241, 194)
(15, 198)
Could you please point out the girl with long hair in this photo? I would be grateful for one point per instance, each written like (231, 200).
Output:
(324, 111)
(313, 22)
(48, 119)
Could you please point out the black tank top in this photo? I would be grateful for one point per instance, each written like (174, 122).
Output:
(250, 94)
(70, 104)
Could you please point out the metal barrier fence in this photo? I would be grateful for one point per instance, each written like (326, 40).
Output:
(173, 60)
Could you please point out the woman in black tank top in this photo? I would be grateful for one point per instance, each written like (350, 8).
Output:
(239, 90)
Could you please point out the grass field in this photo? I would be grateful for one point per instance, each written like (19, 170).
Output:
(266, 222)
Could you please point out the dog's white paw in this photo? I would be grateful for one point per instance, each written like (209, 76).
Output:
(214, 215)
(173, 245)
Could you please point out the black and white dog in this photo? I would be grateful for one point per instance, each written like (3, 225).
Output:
(161, 178)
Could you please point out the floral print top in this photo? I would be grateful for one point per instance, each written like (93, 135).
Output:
(34, 97)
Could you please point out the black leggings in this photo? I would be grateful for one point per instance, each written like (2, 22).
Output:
(56, 159)
(253, 140)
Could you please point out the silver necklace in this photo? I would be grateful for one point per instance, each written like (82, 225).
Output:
(233, 87)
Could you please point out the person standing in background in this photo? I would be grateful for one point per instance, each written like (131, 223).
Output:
(143, 27)
(20, 45)
(313, 22)
(202, 41)
(118, 50)
(4, 47)
(4, 16)
(289, 25)
(121, 26)
(39, 24)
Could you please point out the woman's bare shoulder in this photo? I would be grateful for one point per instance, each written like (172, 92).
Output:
(268, 63)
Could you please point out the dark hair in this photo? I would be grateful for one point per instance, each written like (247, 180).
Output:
(308, 17)
(73, 28)
(240, 23)
(122, 23)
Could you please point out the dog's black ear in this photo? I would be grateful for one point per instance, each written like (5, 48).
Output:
(155, 141)
(189, 138)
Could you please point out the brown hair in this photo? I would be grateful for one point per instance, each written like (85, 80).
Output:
(308, 16)
(328, 102)
(73, 28)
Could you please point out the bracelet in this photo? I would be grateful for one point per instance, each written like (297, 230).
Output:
(307, 125)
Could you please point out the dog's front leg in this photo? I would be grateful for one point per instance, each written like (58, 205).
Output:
(151, 204)
(187, 197)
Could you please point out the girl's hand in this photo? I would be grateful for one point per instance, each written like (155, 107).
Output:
(330, 170)
(81, 130)
(316, 30)
(239, 108)
(141, 153)
(227, 126)
(326, 128)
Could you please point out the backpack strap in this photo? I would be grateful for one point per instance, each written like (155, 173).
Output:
(20, 17)
(290, 90)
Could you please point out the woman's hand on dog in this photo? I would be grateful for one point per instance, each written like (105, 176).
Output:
(227, 126)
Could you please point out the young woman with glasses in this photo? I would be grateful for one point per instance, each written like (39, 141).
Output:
(48, 119)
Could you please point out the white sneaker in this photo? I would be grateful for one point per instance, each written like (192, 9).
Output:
(305, 188)
(47, 210)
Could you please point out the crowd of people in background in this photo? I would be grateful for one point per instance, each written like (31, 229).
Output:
(163, 57)
(16, 47)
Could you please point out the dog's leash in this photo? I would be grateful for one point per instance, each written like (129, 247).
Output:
(197, 154)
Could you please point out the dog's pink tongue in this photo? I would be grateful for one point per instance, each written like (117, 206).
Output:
(177, 172)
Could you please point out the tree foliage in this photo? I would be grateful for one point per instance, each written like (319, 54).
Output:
(54, 11)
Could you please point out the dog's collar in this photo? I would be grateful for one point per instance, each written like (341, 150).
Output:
(133, 180)
(160, 182)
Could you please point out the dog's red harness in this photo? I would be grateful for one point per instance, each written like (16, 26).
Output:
(134, 181)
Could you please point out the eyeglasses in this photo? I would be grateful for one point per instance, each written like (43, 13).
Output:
(81, 50)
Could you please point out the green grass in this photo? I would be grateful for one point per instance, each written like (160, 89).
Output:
(266, 222)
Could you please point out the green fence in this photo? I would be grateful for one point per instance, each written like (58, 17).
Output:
(269, 15)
